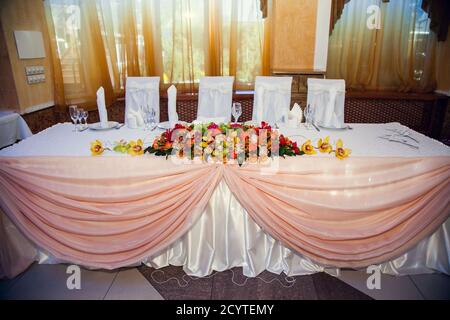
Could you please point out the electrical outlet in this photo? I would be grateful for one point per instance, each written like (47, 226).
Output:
(33, 70)
(33, 79)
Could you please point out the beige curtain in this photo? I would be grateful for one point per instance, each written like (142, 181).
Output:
(102, 42)
(78, 52)
(238, 41)
(399, 56)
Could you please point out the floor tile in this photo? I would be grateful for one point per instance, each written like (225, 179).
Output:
(332, 288)
(130, 284)
(434, 286)
(392, 288)
(6, 284)
(50, 282)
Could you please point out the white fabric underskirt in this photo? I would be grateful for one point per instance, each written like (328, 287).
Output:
(225, 236)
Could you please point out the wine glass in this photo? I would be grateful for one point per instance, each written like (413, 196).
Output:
(84, 115)
(74, 115)
(308, 116)
(151, 118)
(236, 111)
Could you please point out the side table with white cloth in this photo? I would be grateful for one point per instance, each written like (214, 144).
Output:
(387, 204)
(12, 128)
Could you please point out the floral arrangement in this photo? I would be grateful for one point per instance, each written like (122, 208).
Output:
(224, 142)
(132, 147)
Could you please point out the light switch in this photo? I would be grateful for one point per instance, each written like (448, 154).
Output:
(32, 70)
(33, 79)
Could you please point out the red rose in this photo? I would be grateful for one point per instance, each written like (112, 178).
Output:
(213, 126)
(282, 140)
(179, 126)
(265, 125)
(168, 135)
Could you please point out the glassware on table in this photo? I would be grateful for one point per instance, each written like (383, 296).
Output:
(309, 117)
(152, 119)
(83, 117)
(236, 111)
(74, 115)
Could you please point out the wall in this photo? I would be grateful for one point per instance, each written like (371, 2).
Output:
(27, 15)
(299, 38)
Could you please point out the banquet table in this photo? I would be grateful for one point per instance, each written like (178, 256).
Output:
(224, 228)
(12, 128)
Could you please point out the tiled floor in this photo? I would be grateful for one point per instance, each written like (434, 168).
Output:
(49, 282)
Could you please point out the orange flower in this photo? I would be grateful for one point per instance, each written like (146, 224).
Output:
(155, 144)
(97, 148)
(324, 146)
(136, 148)
(342, 153)
(308, 148)
(168, 145)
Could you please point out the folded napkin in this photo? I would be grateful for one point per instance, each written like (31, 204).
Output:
(295, 116)
(101, 105)
(172, 105)
(208, 120)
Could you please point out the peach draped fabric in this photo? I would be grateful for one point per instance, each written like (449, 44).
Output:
(104, 212)
(350, 213)
(111, 212)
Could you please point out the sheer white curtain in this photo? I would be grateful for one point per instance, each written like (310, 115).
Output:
(398, 56)
(102, 42)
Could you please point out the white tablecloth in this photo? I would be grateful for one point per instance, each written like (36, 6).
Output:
(225, 236)
(12, 128)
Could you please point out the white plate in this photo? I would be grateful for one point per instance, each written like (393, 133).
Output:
(98, 126)
(345, 126)
(252, 123)
(166, 124)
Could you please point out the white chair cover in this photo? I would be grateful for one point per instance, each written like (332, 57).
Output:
(272, 99)
(327, 97)
(141, 91)
(215, 97)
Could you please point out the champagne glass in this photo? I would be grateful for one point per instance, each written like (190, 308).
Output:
(84, 116)
(74, 115)
(308, 116)
(236, 111)
(151, 119)
(80, 118)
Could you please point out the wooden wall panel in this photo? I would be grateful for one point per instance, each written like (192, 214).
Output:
(299, 36)
(8, 94)
(27, 15)
(293, 35)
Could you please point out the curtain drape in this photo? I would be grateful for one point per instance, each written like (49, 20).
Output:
(78, 52)
(439, 13)
(101, 42)
(399, 57)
